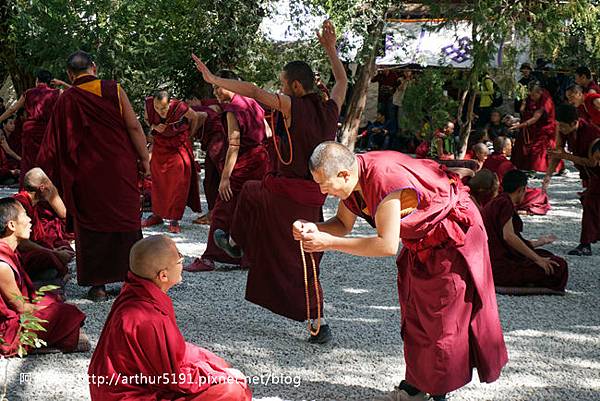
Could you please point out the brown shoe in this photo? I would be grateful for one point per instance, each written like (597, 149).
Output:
(204, 219)
(97, 294)
(200, 265)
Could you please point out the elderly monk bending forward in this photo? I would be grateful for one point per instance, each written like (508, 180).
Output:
(141, 338)
(63, 321)
(450, 318)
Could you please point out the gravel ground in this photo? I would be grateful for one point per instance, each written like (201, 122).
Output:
(553, 342)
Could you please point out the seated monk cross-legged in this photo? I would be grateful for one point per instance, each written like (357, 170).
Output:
(63, 321)
(515, 261)
(141, 338)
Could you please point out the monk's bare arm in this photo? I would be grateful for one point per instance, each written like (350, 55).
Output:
(516, 243)
(56, 202)
(197, 119)
(553, 162)
(7, 149)
(282, 103)
(233, 137)
(534, 119)
(341, 224)
(13, 109)
(10, 290)
(134, 128)
(328, 40)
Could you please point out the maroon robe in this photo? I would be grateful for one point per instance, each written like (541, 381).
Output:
(532, 144)
(174, 174)
(141, 337)
(252, 164)
(588, 111)
(580, 144)
(5, 167)
(510, 268)
(535, 200)
(88, 154)
(64, 320)
(47, 230)
(213, 141)
(14, 142)
(39, 104)
(450, 320)
(266, 211)
(592, 85)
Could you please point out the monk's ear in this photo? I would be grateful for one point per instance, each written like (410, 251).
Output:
(163, 276)
(11, 225)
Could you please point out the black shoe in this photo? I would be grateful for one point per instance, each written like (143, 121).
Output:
(97, 294)
(581, 250)
(323, 337)
(222, 241)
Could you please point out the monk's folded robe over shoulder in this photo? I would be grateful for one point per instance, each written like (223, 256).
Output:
(510, 268)
(89, 155)
(267, 209)
(141, 338)
(252, 164)
(450, 321)
(174, 175)
(63, 320)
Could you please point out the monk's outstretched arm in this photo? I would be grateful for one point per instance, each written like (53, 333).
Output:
(13, 109)
(534, 119)
(136, 133)
(197, 120)
(282, 103)
(11, 292)
(385, 243)
(233, 137)
(339, 225)
(328, 40)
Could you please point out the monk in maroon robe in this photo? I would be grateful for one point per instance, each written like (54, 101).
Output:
(538, 131)
(583, 141)
(266, 209)
(12, 140)
(8, 175)
(484, 187)
(517, 262)
(91, 151)
(141, 338)
(38, 103)
(174, 176)
(246, 159)
(47, 253)
(535, 200)
(588, 104)
(213, 141)
(583, 78)
(450, 322)
(64, 321)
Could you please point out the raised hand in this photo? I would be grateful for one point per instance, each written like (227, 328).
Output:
(206, 74)
(301, 227)
(327, 36)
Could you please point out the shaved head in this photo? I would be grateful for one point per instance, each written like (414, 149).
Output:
(151, 255)
(481, 148)
(501, 144)
(330, 158)
(79, 62)
(35, 178)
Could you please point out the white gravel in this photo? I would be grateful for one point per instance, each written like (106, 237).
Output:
(553, 342)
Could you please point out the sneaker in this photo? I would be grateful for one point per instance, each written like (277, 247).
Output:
(174, 227)
(200, 265)
(581, 250)
(222, 241)
(153, 220)
(323, 337)
(401, 394)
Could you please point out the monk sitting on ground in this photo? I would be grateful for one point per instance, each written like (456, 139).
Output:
(515, 261)
(48, 252)
(484, 187)
(63, 321)
(141, 338)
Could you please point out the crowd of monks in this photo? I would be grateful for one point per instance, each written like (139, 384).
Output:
(84, 163)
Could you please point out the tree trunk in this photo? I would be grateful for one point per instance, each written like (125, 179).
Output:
(359, 95)
(466, 128)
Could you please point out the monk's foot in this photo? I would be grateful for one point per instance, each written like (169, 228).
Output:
(153, 220)
(222, 241)
(200, 265)
(204, 219)
(174, 227)
(323, 337)
(83, 345)
(405, 392)
(581, 250)
(97, 293)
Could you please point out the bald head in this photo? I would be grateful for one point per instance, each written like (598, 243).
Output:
(34, 179)
(481, 149)
(151, 255)
(503, 144)
(330, 158)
